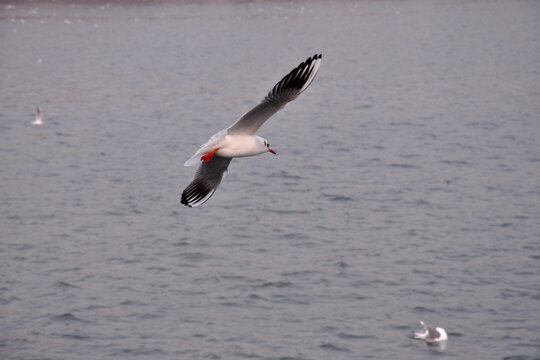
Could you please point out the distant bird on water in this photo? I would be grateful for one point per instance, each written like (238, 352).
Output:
(431, 335)
(39, 117)
(239, 139)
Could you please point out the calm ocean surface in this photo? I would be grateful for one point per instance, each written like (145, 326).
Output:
(406, 186)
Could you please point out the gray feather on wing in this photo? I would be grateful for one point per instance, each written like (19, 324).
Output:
(285, 91)
(206, 181)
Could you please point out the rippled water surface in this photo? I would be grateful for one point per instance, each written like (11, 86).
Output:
(407, 185)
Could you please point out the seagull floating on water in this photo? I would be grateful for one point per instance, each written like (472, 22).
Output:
(431, 335)
(239, 139)
(39, 117)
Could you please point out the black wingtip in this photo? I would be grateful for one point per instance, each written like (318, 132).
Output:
(183, 201)
(309, 60)
(197, 193)
(297, 78)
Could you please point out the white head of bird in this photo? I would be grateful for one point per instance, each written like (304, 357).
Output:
(264, 145)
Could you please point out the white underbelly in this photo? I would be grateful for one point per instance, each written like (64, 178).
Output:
(238, 146)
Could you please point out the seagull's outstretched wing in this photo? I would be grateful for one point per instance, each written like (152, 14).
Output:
(421, 334)
(288, 89)
(206, 180)
(429, 334)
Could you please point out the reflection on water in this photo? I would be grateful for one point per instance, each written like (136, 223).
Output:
(406, 185)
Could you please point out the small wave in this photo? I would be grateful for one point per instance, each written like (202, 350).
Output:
(67, 317)
(325, 228)
(337, 197)
(421, 202)
(64, 285)
(255, 297)
(195, 256)
(403, 166)
(278, 284)
(246, 355)
(181, 242)
(295, 236)
(347, 336)
(76, 337)
(363, 107)
(507, 224)
(142, 351)
(333, 347)
(293, 299)
(5, 301)
(145, 316)
(422, 309)
(288, 212)
(285, 175)
(301, 273)
(455, 162)
(232, 304)
(402, 123)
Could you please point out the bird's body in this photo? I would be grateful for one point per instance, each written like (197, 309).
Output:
(241, 145)
(231, 146)
(431, 335)
(39, 118)
(239, 139)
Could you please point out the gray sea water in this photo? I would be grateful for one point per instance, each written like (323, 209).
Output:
(406, 186)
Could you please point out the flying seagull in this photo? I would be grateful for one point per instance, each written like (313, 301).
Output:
(39, 117)
(239, 139)
(431, 335)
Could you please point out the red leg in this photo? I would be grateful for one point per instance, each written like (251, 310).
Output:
(209, 156)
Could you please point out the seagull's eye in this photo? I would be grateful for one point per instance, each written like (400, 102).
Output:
(267, 145)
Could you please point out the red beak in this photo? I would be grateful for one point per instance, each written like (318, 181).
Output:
(272, 151)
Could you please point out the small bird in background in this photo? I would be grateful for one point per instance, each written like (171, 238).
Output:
(431, 336)
(39, 118)
(239, 139)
